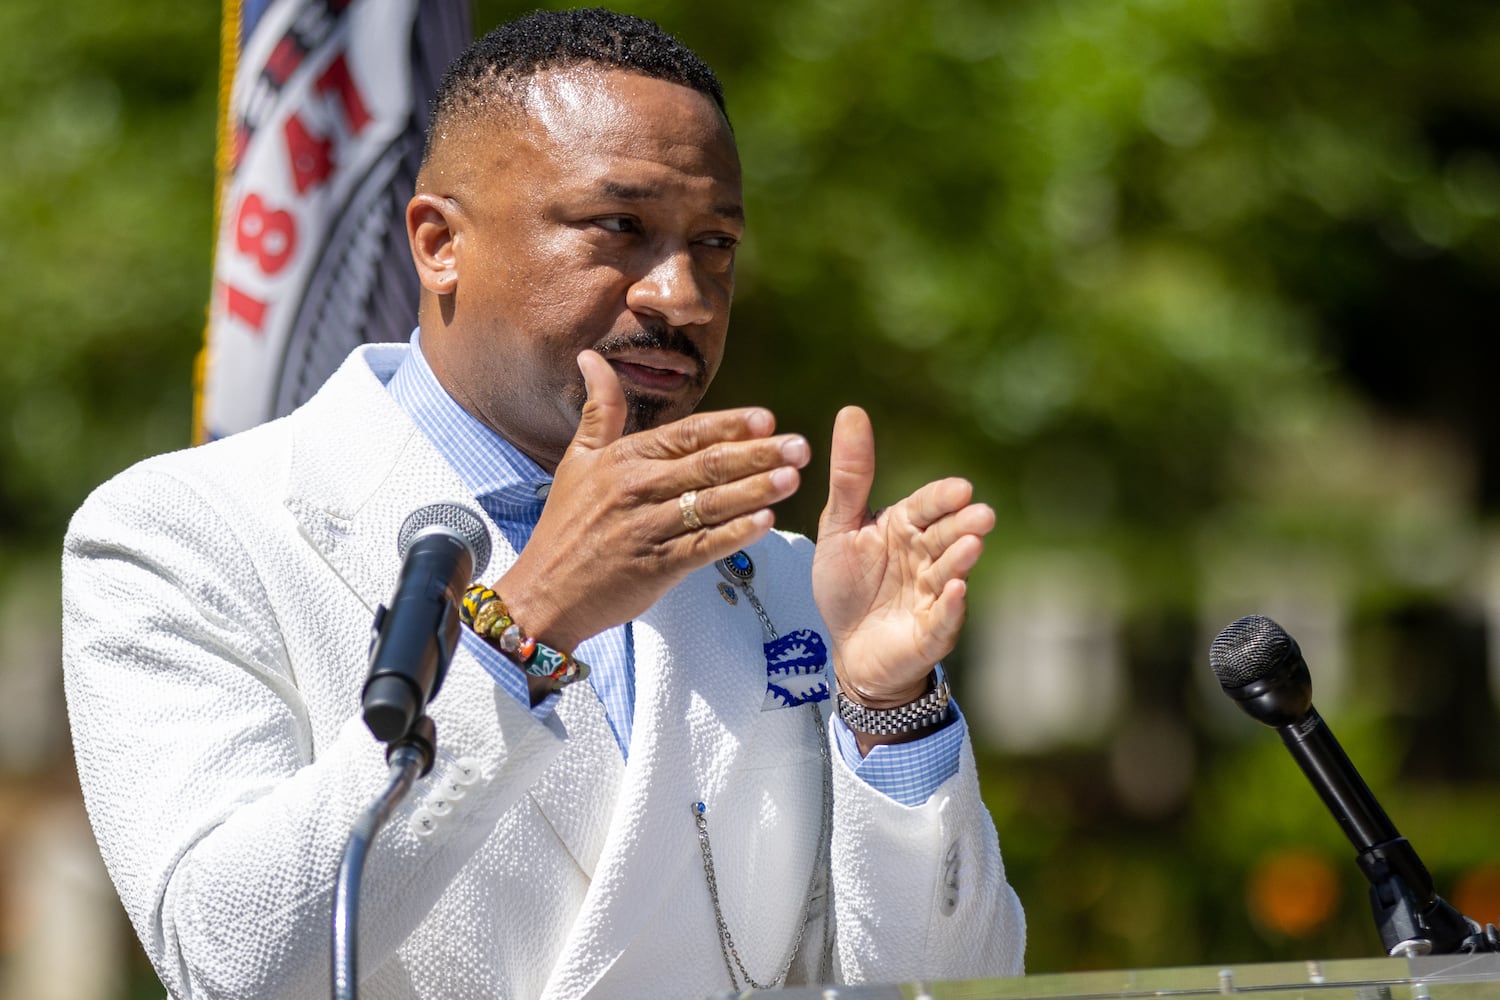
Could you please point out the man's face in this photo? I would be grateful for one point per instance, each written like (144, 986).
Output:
(605, 216)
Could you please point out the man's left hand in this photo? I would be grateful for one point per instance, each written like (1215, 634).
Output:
(891, 586)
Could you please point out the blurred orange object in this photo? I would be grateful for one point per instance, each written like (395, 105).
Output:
(1477, 894)
(1292, 892)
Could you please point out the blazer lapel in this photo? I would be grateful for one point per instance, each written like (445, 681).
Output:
(695, 707)
(359, 466)
(579, 791)
(352, 484)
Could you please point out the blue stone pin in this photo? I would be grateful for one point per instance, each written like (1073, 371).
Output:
(737, 567)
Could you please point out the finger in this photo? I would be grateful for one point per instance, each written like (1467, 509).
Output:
(956, 562)
(725, 503)
(714, 542)
(936, 500)
(694, 433)
(946, 619)
(730, 461)
(851, 471)
(975, 519)
(604, 411)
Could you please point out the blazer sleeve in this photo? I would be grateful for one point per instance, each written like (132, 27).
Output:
(919, 892)
(220, 809)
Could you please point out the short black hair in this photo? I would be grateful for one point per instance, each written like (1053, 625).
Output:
(556, 39)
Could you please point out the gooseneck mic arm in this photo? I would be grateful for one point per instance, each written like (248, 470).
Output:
(1261, 668)
(407, 762)
(443, 547)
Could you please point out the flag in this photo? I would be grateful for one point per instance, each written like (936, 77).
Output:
(323, 108)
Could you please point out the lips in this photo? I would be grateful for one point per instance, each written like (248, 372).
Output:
(660, 371)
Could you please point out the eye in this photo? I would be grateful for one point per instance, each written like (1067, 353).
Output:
(617, 223)
(720, 242)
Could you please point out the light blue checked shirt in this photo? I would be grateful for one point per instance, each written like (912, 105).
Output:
(512, 489)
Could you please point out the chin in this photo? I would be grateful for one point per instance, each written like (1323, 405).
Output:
(647, 411)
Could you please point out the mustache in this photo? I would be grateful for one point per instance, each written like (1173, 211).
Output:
(656, 338)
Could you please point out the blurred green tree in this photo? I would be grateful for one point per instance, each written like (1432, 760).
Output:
(1164, 277)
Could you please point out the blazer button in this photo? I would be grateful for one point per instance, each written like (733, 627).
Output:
(467, 771)
(423, 822)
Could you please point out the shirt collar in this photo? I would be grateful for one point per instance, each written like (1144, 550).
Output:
(488, 464)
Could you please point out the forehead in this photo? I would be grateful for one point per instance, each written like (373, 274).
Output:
(588, 124)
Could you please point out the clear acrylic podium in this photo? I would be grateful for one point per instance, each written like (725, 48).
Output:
(1436, 977)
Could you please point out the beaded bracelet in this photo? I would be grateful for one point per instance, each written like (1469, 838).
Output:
(485, 613)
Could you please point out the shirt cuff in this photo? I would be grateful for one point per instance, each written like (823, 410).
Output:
(505, 673)
(906, 772)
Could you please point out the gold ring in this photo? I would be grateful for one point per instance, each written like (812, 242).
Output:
(687, 506)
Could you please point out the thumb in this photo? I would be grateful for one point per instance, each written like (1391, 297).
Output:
(851, 472)
(603, 419)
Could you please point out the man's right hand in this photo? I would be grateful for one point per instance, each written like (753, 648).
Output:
(612, 540)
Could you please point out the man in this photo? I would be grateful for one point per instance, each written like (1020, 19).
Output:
(689, 819)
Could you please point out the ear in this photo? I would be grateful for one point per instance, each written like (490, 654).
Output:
(431, 227)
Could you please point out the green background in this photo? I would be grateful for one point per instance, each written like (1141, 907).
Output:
(1181, 285)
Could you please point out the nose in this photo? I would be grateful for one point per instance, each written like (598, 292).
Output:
(674, 290)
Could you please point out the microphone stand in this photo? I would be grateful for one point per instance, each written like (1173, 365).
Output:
(410, 757)
(1261, 668)
(1411, 917)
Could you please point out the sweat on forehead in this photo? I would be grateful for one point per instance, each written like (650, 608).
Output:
(575, 111)
(492, 76)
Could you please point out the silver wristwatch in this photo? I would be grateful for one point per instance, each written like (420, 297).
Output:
(926, 712)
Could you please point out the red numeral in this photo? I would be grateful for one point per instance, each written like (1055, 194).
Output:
(311, 155)
(336, 80)
(270, 236)
(251, 311)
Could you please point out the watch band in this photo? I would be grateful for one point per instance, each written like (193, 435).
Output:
(926, 712)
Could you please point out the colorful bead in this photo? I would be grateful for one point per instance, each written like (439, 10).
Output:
(491, 617)
(474, 598)
(483, 611)
(548, 660)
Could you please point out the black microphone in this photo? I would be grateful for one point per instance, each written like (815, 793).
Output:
(443, 547)
(1261, 668)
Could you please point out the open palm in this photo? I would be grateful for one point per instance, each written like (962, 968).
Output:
(891, 587)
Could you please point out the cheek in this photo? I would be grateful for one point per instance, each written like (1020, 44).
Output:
(566, 276)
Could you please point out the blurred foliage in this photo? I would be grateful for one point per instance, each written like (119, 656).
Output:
(1169, 279)
(106, 186)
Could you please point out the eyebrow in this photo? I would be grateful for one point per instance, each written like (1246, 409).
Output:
(646, 192)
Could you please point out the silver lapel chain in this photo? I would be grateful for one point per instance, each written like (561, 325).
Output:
(739, 571)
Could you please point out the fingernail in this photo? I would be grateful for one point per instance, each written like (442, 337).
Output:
(579, 362)
(784, 479)
(760, 421)
(795, 450)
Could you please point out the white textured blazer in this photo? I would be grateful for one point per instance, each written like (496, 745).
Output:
(217, 613)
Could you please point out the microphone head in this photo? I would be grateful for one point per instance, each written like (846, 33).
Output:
(1260, 666)
(1250, 649)
(458, 519)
